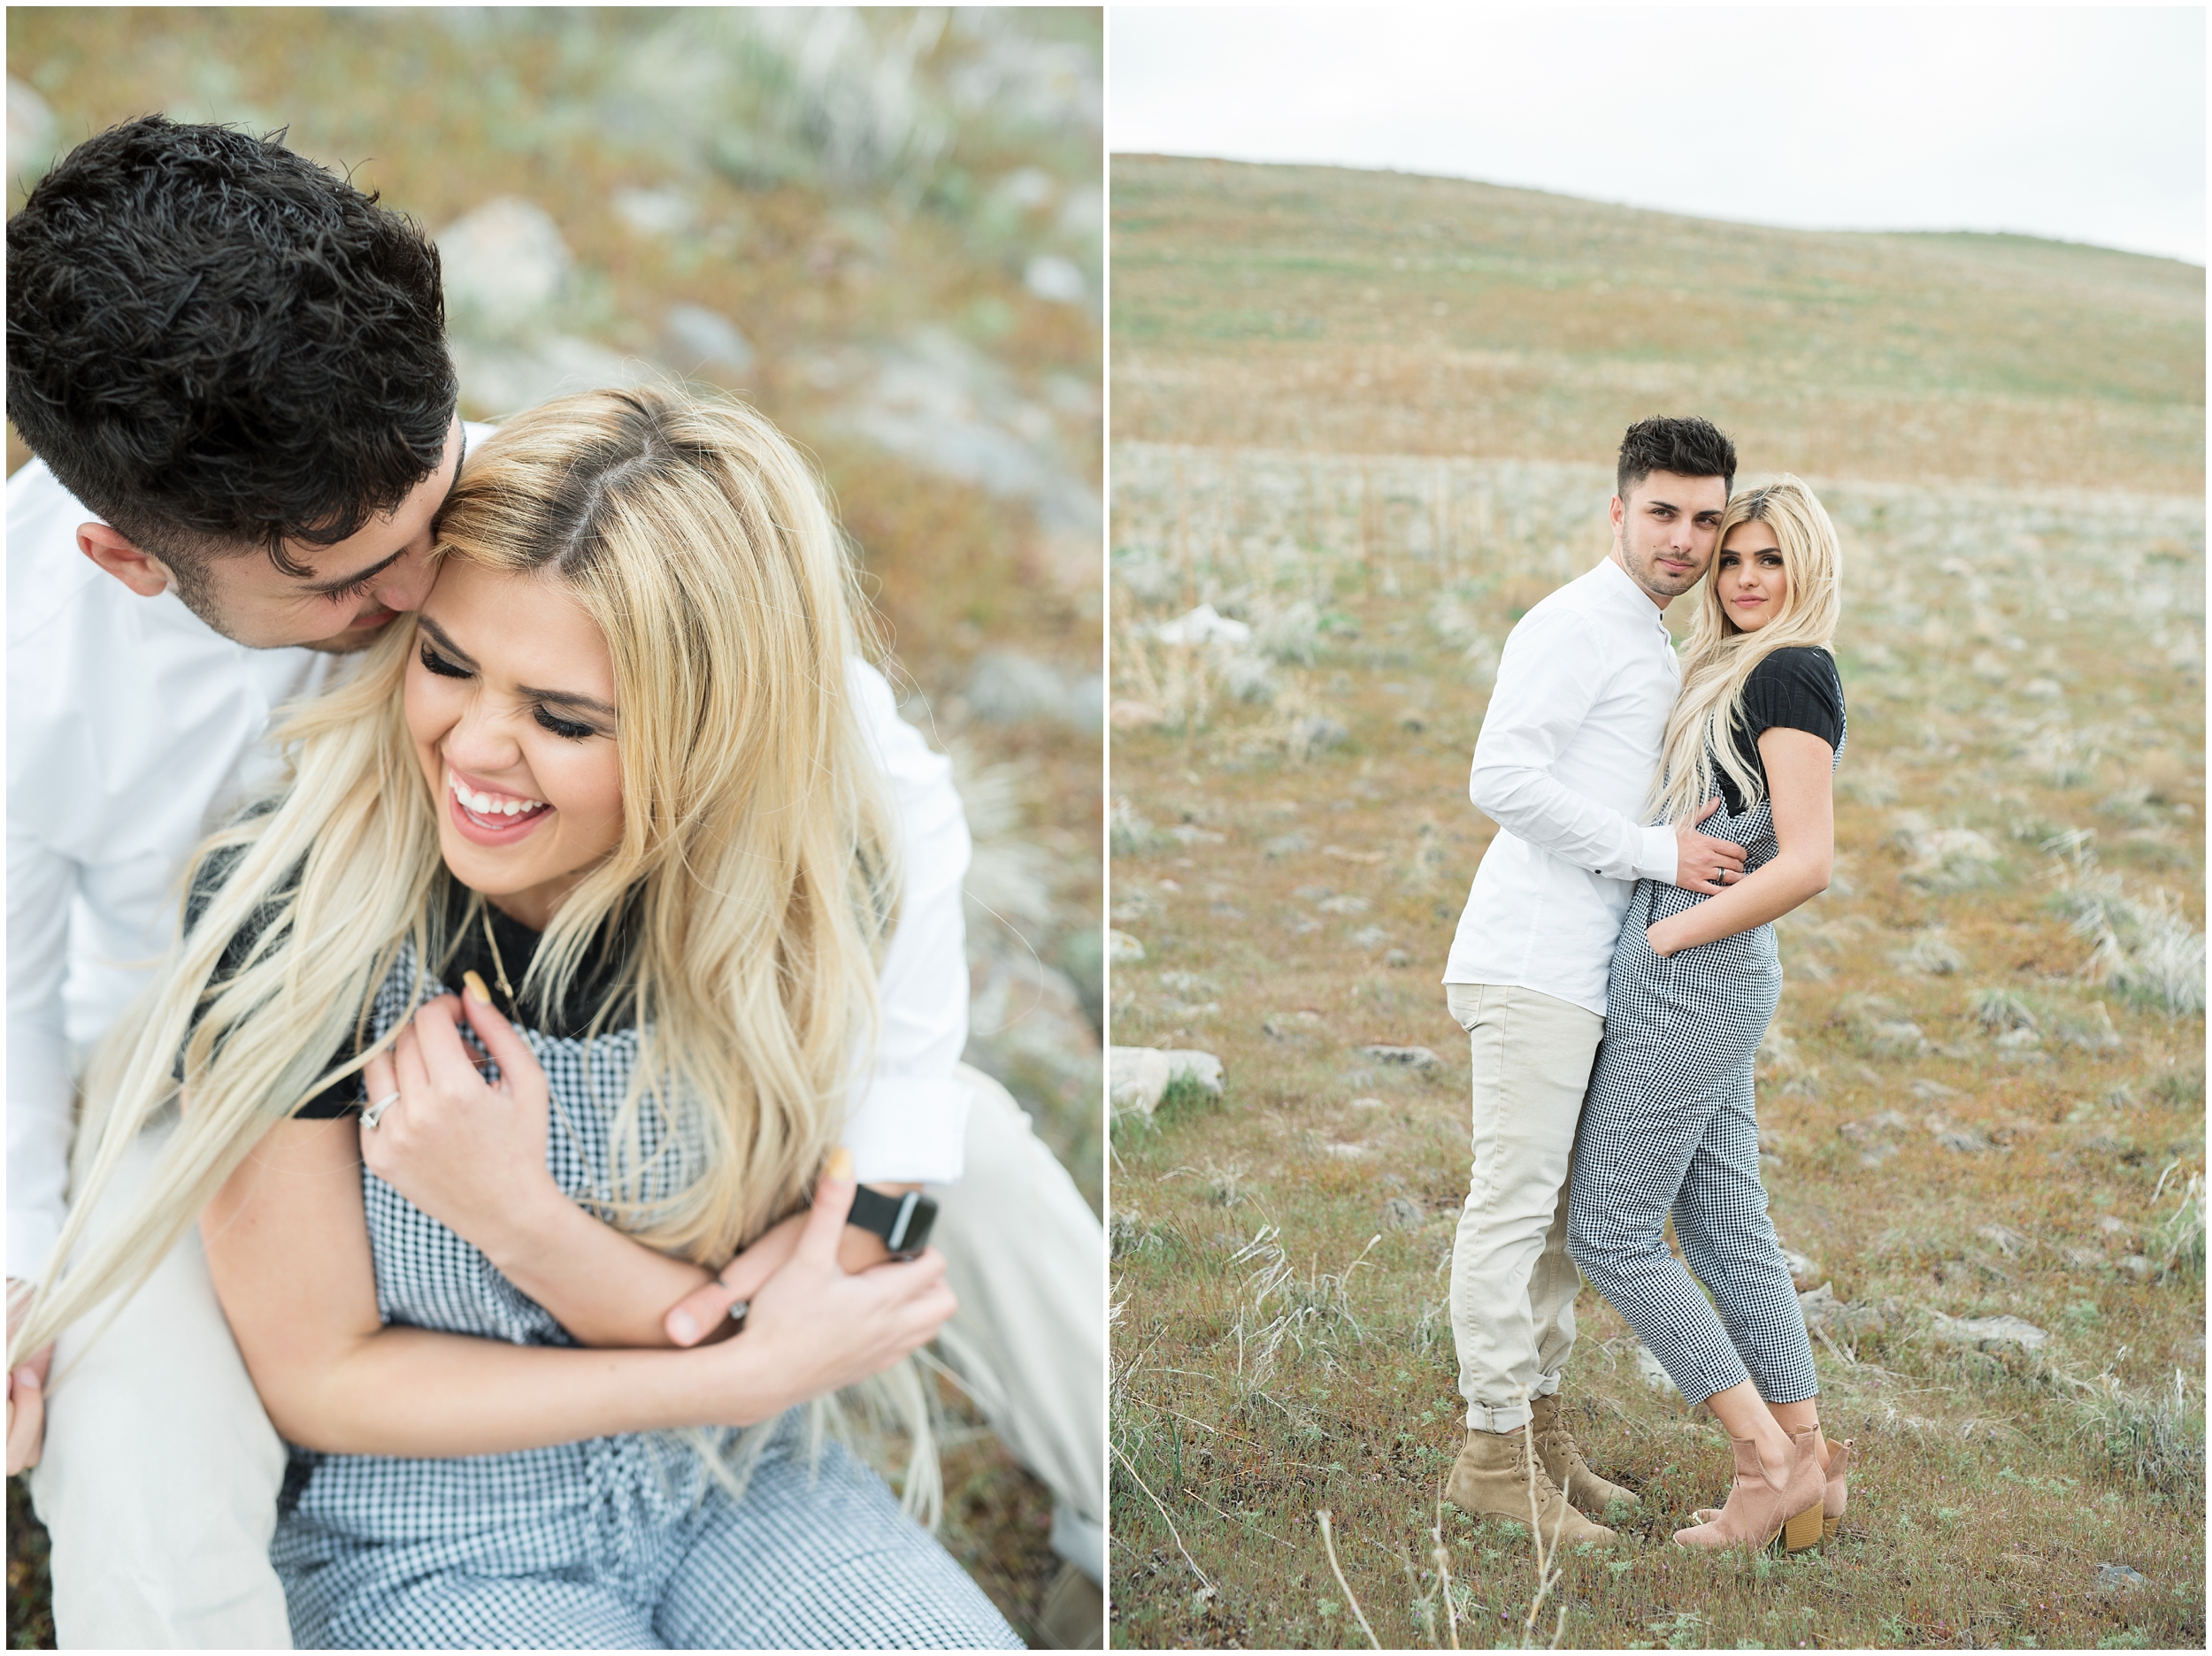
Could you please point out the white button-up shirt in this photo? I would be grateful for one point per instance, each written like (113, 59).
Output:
(134, 728)
(1562, 763)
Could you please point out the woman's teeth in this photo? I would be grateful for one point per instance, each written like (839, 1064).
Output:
(489, 804)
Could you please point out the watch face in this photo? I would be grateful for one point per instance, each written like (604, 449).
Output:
(910, 1227)
(903, 1222)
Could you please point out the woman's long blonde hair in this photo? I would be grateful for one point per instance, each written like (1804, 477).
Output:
(1720, 656)
(754, 883)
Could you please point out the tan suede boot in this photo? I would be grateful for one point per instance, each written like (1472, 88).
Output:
(1556, 1448)
(1491, 1480)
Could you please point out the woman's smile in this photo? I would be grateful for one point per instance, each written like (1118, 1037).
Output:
(487, 816)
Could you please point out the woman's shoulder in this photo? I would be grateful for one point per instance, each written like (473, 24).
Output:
(1805, 668)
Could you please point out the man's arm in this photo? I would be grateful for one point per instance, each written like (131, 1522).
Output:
(40, 883)
(1547, 682)
(908, 1120)
(40, 1092)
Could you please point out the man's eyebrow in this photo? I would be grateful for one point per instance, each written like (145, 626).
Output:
(461, 657)
(566, 698)
(325, 588)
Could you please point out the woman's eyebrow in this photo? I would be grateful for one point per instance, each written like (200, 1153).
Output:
(567, 698)
(445, 641)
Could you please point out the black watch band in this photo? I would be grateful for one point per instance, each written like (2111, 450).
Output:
(903, 1222)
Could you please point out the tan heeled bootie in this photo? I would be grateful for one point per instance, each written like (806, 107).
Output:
(1766, 1502)
(1832, 1498)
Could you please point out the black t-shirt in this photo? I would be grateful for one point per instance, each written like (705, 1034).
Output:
(1794, 688)
(598, 975)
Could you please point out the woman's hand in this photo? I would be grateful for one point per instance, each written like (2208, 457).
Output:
(815, 1327)
(1663, 936)
(470, 1154)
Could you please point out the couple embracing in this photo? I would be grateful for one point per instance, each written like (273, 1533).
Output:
(523, 1139)
(1615, 969)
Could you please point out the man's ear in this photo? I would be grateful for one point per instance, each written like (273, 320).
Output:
(1618, 510)
(143, 572)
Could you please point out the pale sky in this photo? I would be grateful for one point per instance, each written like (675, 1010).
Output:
(2081, 124)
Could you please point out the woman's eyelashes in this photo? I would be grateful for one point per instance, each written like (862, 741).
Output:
(560, 727)
(571, 729)
(438, 665)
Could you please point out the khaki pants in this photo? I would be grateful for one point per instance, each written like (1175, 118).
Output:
(158, 1483)
(1513, 1285)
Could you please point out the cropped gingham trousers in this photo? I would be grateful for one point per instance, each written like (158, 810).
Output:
(1669, 1123)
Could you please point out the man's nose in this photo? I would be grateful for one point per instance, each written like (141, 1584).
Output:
(407, 583)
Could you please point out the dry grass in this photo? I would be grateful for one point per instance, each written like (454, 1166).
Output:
(1984, 1094)
(1315, 308)
(835, 220)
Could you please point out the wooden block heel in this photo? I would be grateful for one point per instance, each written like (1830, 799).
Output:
(1802, 1531)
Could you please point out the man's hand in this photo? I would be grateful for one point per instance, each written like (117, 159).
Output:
(27, 1390)
(816, 1327)
(704, 1312)
(469, 1154)
(1702, 864)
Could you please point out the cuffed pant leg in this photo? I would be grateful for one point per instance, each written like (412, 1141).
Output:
(159, 1478)
(1513, 1285)
(1728, 1241)
(1026, 1258)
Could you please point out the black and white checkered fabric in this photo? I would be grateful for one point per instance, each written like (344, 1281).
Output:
(1669, 1123)
(617, 1543)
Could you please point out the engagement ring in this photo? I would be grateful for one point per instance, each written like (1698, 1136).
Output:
(375, 1112)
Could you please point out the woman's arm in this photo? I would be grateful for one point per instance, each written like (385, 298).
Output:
(473, 1156)
(288, 1245)
(1800, 770)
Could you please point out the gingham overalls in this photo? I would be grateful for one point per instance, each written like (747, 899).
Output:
(1669, 1123)
(623, 1542)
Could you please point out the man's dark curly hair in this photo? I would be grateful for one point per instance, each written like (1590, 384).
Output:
(1687, 448)
(218, 346)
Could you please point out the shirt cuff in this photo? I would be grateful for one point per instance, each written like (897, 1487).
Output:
(908, 1132)
(1659, 858)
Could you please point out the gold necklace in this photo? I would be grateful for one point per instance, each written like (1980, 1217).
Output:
(499, 966)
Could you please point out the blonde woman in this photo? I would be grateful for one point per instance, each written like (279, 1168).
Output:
(1669, 1123)
(611, 782)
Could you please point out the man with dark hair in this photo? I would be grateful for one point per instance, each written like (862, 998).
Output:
(1563, 762)
(232, 368)
(241, 371)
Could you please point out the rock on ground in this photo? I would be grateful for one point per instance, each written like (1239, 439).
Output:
(1137, 1076)
(1989, 1334)
(1412, 1057)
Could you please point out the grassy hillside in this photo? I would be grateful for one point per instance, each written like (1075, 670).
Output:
(1381, 312)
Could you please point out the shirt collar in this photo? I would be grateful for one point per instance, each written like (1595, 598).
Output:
(1622, 592)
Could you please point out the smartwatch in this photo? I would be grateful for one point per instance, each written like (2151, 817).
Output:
(903, 1222)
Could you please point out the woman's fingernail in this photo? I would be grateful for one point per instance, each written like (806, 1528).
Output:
(28, 1378)
(681, 1328)
(840, 1164)
(475, 986)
